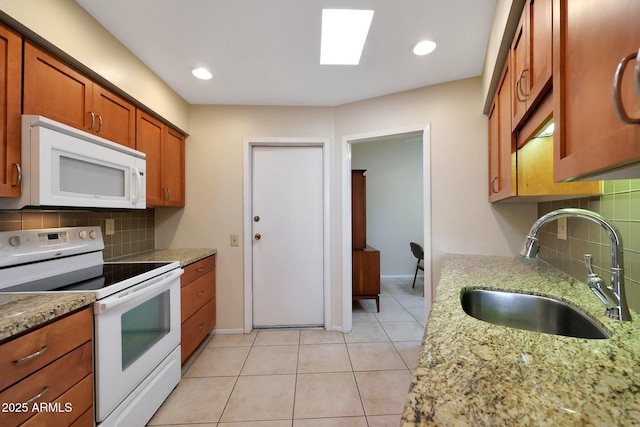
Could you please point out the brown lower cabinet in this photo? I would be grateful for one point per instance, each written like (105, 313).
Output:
(46, 376)
(197, 304)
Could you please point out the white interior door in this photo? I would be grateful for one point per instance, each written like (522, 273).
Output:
(287, 229)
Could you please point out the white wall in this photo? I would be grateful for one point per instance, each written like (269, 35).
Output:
(394, 199)
(463, 220)
(214, 188)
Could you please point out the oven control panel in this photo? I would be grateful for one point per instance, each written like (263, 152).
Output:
(25, 246)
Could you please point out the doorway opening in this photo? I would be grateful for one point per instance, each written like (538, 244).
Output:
(422, 132)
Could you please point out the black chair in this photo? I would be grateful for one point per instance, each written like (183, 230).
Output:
(417, 252)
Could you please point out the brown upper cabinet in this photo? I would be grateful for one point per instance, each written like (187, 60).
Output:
(531, 59)
(10, 106)
(520, 160)
(591, 40)
(164, 147)
(502, 183)
(55, 90)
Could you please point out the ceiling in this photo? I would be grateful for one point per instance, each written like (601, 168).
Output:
(266, 52)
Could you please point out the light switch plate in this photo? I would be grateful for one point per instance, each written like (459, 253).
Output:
(234, 240)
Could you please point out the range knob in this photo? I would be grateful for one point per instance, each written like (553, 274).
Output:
(14, 240)
(93, 234)
(84, 234)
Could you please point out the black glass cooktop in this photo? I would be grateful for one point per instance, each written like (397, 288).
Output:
(88, 279)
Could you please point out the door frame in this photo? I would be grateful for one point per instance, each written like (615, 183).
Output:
(248, 144)
(347, 140)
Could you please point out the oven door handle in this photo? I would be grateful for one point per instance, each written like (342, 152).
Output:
(157, 285)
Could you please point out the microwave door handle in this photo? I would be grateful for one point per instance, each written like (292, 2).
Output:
(153, 286)
(138, 183)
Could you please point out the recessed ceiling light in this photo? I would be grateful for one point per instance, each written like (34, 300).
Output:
(344, 32)
(201, 73)
(423, 47)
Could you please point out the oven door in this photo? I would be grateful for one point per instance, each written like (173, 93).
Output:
(135, 330)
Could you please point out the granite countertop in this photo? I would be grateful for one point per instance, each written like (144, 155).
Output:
(184, 256)
(21, 312)
(472, 372)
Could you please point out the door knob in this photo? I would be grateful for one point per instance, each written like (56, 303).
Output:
(258, 236)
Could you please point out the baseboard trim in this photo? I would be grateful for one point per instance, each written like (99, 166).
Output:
(217, 331)
(400, 276)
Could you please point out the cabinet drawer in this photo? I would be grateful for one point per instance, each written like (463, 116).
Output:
(197, 269)
(50, 382)
(77, 399)
(22, 356)
(84, 420)
(195, 294)
(196, 328)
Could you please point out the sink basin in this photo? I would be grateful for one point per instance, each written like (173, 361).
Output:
(530, 312)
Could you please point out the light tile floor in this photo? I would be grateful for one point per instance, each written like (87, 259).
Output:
(307, 377)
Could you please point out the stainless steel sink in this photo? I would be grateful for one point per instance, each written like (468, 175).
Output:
(530, 312)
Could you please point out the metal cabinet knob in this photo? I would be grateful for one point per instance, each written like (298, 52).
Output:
(258, 236)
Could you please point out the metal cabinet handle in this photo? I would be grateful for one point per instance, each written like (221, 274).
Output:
(19, 179)
(39, 395)
(32, 356)
(521, 96)
(99, 124)
(200, 293)
(617, 90)
(93, 119)
(493, 184)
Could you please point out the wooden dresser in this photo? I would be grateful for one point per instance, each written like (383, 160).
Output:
(365, 259)
(197, 303)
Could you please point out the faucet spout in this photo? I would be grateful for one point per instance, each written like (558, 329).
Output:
(614, 294)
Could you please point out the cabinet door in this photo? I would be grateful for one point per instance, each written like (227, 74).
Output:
(540, 48)
(10, 102)
(149, 141)
(531, 58)
(173, 167)
(590, 38)
(519, 64)
(55, 90)
(116, 117)
(501, 142)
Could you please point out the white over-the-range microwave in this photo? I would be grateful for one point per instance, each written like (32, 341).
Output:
(65, 167)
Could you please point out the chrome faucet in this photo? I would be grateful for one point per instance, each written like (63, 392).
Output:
(612, 296)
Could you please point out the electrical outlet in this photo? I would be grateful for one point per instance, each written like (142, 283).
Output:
(562, 228)
(109, 227)
(234, 240)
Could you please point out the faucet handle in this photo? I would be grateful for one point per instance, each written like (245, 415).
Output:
(588, 260)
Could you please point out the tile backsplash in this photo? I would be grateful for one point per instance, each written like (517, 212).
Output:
(620, 203)
(134, 230)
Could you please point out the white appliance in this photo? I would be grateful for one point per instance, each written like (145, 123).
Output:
(65, 167)
(136, 315)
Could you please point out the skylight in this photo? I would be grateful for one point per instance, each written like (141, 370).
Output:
(344, 32)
